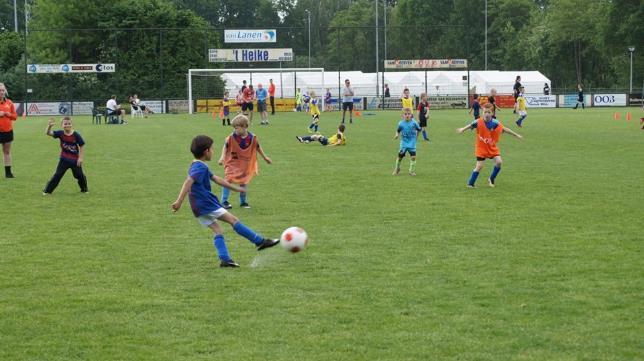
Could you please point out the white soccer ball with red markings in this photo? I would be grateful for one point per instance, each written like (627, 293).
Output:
(294, 239)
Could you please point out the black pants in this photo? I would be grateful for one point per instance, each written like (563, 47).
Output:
(62, 168)
(272, 105)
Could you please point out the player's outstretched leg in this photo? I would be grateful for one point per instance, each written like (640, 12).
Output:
(475, 173)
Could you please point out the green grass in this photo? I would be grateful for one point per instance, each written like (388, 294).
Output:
(546, 266)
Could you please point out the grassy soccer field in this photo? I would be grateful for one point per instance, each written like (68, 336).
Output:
(546, 266)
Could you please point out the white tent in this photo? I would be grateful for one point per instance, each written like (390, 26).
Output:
(365, 84)
(503, 81)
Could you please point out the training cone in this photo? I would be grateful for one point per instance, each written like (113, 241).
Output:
(617, 116)
(214, 115)
(628, 116)
(357, 113)
(221, 114)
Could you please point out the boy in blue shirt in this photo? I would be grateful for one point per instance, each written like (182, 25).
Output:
(72, 151)
(409, 129)
(205, 205)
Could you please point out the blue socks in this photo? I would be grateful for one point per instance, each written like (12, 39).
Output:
(473, 177)
(495, 172)
(242, 197)
(315, 127)
(425, 134)
(220, 246)
(520, 120)
(247, 233)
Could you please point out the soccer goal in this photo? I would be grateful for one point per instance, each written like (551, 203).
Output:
(206, 84)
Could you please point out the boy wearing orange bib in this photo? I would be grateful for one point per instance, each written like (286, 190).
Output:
(488, 134)
(239, 158)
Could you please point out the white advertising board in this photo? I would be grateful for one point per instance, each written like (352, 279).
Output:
(157, 106)
(609, 100)
(60, 108)
(70, 68)
(541, 101)
(82, 108)
(248, 55)
(426, 64)
(250, 36)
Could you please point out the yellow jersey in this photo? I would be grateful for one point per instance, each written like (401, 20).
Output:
(335, 141)
(226, 102)
(521, 103)
(313, 107)
(407, 103)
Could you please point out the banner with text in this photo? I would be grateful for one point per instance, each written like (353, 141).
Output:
(426, 64)
(249, 55)
(70, 68)
(570, 100)
(250, 36)
(541, 101)
(609, 100)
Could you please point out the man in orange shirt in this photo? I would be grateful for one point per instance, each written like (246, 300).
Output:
(271, 95)
(7, 117)
(488, 133)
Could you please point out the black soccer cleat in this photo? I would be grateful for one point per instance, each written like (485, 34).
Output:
(226, 205)
(267, 243)
(229, 263)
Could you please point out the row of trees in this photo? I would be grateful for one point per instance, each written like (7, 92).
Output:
(154, 42)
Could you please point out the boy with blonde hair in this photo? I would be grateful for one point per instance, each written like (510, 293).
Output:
(239, 158)
(315, 113)
(408, 130)
(488, 134)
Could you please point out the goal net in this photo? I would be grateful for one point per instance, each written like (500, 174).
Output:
(206, 87)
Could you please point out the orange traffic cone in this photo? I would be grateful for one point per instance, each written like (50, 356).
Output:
(357, 113)
(617, 116)
(628, 116)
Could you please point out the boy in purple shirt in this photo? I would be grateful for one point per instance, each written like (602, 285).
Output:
(72, 148)
(205, 205)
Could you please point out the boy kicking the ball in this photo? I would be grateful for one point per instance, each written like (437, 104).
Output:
(205, 205)
(488, 133)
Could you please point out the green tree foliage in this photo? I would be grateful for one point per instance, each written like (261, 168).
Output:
(154, 42)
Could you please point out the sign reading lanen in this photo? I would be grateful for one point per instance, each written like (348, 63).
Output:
(250, 36)
(249, 55)
(70, 68)
(426, 64)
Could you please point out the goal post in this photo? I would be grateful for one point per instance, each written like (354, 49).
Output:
(211, 83)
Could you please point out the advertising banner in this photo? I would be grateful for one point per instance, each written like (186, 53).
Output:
(61, 108)
(249, 55)
(609, 100)
(447, 102)
(570, 100)
(250, 36)
(70, 68)
(157, 106)
(541, 101)
(502, 101)
(82, 108)
(426, 64)
(177, 106)
(635, 100)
